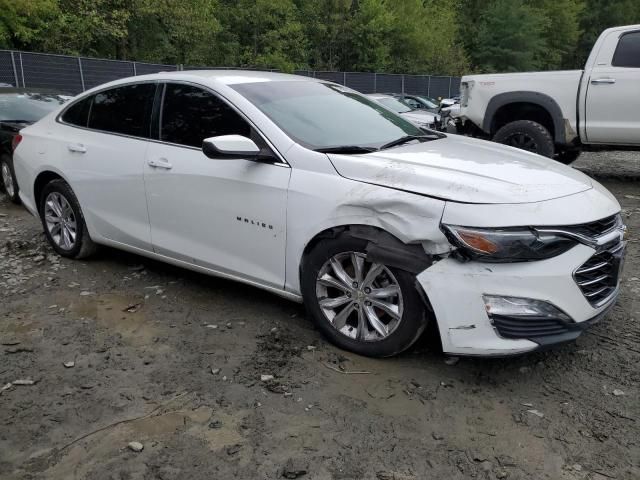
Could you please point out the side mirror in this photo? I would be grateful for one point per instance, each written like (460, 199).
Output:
(229, 146)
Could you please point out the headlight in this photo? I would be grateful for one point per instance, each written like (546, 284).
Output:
(507, 245)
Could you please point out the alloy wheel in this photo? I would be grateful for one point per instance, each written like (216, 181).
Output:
(522, 141)
(60, 220)
(360, 299)
(7, 180)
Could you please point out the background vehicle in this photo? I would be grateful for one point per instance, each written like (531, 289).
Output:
(418, 102)
(556, 114)
(419, 117)
(449, 102)
(18, 109)
(312, 191)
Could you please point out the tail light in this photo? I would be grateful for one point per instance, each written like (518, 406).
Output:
(15, 142)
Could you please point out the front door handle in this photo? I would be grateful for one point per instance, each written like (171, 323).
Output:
(77, 147)
(603, 81)
(160, 163)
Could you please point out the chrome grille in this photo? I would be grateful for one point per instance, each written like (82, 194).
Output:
(598, 276)
(597, 228)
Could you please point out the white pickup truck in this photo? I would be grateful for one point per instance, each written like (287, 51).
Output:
(557, 114)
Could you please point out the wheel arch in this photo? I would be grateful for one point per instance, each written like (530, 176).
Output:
(41, 180)
(525, 105)
(382, 246)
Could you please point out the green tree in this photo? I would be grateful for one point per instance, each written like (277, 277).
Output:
(425, 38)
(326, 26)
(368, 43)
(509, 37)
(560, 33)
(599, 15)
(261, 33)
(22, 22)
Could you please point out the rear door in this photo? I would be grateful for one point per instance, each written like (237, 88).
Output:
(104, 160)
(226, 215)
(613, 92)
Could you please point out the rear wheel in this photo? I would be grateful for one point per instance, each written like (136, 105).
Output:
(366, 307)
(9, 182)
(526, 135)
(63, 221)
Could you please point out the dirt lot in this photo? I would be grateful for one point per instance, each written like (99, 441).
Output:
(173, 360)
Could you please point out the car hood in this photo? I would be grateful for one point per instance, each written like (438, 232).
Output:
(466, 170)
(418, 116)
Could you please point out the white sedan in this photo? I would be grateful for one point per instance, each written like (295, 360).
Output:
(312, 191)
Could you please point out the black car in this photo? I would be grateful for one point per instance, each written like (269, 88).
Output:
(20, 107)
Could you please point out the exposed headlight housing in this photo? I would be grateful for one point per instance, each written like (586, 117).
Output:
(507, 245)
(517, 307)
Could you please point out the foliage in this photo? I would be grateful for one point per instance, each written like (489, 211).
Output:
(447, 37)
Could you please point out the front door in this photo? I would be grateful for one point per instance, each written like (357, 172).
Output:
(227, 215)
(613, 93)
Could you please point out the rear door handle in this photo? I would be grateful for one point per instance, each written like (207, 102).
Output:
(160, 163)
(603, 81)
(77, 147)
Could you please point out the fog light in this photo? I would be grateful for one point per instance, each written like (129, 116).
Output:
(522, 307)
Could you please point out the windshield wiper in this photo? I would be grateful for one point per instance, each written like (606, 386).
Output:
(346, 149)
(407, 138)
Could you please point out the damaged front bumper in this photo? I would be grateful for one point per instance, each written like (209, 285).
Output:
(456, 291)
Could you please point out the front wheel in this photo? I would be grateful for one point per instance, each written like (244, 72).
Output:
(366, 307)
(526, 135)
(9, 181)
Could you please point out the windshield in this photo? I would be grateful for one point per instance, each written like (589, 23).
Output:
(394, 104)
(28, 107)
(320, 115)
(427, 102)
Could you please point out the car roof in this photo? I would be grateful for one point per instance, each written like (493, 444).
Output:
(228, 77)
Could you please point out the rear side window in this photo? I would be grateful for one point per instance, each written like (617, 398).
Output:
(78, 113)
(191, 114)
(125, 110)
(628, 51)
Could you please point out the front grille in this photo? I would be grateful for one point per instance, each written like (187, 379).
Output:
(597, 228)
(528, 327)
(598, 276)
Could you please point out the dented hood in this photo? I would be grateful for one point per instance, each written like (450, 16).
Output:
(467, 170)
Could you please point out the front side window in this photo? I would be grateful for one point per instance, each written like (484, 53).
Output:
(627, 52)
(322, 115)
(125, 110)
(191, 114)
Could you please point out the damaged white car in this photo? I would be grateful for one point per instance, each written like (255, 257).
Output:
(314, 192)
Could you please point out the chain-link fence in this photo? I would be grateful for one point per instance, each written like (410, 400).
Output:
(73, 75)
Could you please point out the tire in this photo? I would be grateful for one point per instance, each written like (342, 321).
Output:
(402, 332)
(9, 182)
(68, 207)
(526, 135)
(568, 156)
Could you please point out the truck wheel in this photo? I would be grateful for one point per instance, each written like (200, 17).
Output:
(526, 135)
(568, 156)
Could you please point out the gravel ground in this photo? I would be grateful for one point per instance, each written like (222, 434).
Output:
(122, 349)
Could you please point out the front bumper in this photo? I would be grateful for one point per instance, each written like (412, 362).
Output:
(455, 290)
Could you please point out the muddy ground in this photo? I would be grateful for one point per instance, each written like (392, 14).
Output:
(173, 360)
